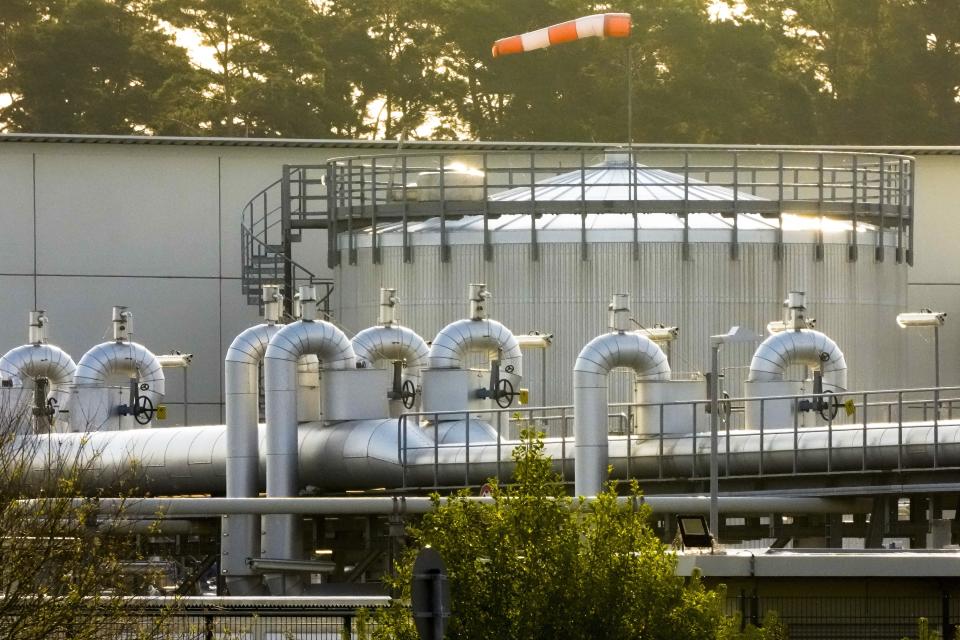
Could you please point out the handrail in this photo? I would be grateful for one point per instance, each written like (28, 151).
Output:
(839, 440)
(265, 237)
(872, 189)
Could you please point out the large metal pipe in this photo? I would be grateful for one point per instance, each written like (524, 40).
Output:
(110, 358)
(367, 454)
(241, 533)
(597, 359)
(39, 359)
(457, 339)
(213, 507)
(242, 390)
(305, 337)
(379, 344)
(477, 333)
(391, 342)
(804, 346)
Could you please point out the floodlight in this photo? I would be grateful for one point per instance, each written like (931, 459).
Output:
(925, 318)
(694, 531)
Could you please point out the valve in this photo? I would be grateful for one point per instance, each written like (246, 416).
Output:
(405, 391)
(825, 403)
(504, 393)
(408, 394)
(500, 390)
(143, 413)
(140, 407)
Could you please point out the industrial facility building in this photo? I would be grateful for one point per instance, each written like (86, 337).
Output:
(154, 224)
(681, 315)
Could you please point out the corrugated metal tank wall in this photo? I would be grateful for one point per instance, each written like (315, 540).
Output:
(854, 302)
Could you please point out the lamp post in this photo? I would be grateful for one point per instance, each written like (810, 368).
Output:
(927, 318)
(734, 335)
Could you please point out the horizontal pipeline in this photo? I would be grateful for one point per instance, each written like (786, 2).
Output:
(217, 507)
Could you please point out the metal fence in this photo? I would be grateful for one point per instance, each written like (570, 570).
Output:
(846, 432)
(236, 624)
(365, 193)
(806, 618)
(828, 618)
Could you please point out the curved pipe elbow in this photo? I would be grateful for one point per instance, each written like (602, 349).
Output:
(110, 358)
(318, 338)
(454, 341)
(38, 360)
(605, 353)
(597, 359)
(388, 343)
(250, 345)
(807, 347)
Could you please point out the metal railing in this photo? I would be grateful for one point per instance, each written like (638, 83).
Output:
(825, 434)
(221, 622)
(359, 196)
(369, 193)
(267, 233)
(825, 618)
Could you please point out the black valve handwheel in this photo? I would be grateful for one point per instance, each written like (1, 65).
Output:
(505, 393)
(143, 413)
(829, 406)
(408, 394)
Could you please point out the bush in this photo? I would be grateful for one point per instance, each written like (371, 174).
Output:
(539, 564)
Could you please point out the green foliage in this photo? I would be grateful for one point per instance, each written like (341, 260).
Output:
(537, 564)
(924, 632)
(771, 628)
(767, 71)
(91, 66)
(63, 569)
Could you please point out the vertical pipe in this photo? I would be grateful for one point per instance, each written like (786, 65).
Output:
(714, 410)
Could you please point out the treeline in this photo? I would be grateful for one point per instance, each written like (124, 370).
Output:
(761, 71)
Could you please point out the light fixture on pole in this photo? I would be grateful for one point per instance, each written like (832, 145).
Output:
(927, 318)
(733, 336)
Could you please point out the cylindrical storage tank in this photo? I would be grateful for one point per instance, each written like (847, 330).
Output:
(715, 272)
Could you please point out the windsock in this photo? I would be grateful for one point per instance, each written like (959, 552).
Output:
(610, 25)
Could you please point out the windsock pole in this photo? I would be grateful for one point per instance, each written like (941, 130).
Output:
(601, 25)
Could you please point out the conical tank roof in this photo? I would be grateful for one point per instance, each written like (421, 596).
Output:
(611, 180)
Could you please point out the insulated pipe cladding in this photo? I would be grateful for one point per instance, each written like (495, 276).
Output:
(598, 358)
(477, 333)
(242, 390)
(121, 356)
(38, 359)
(391, 342)
(798, 344)
(305, 337)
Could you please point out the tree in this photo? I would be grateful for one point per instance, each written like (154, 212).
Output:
(537, 564)
(93, 66)
(272, 69)
(61, 573)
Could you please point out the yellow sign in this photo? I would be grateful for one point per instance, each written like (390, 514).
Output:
(524, 396)
(162, 412)
(849, 407)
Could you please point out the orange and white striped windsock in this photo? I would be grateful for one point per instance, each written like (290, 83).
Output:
(601, 25)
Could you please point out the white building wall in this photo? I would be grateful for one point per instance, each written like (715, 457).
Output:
(156, 227)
